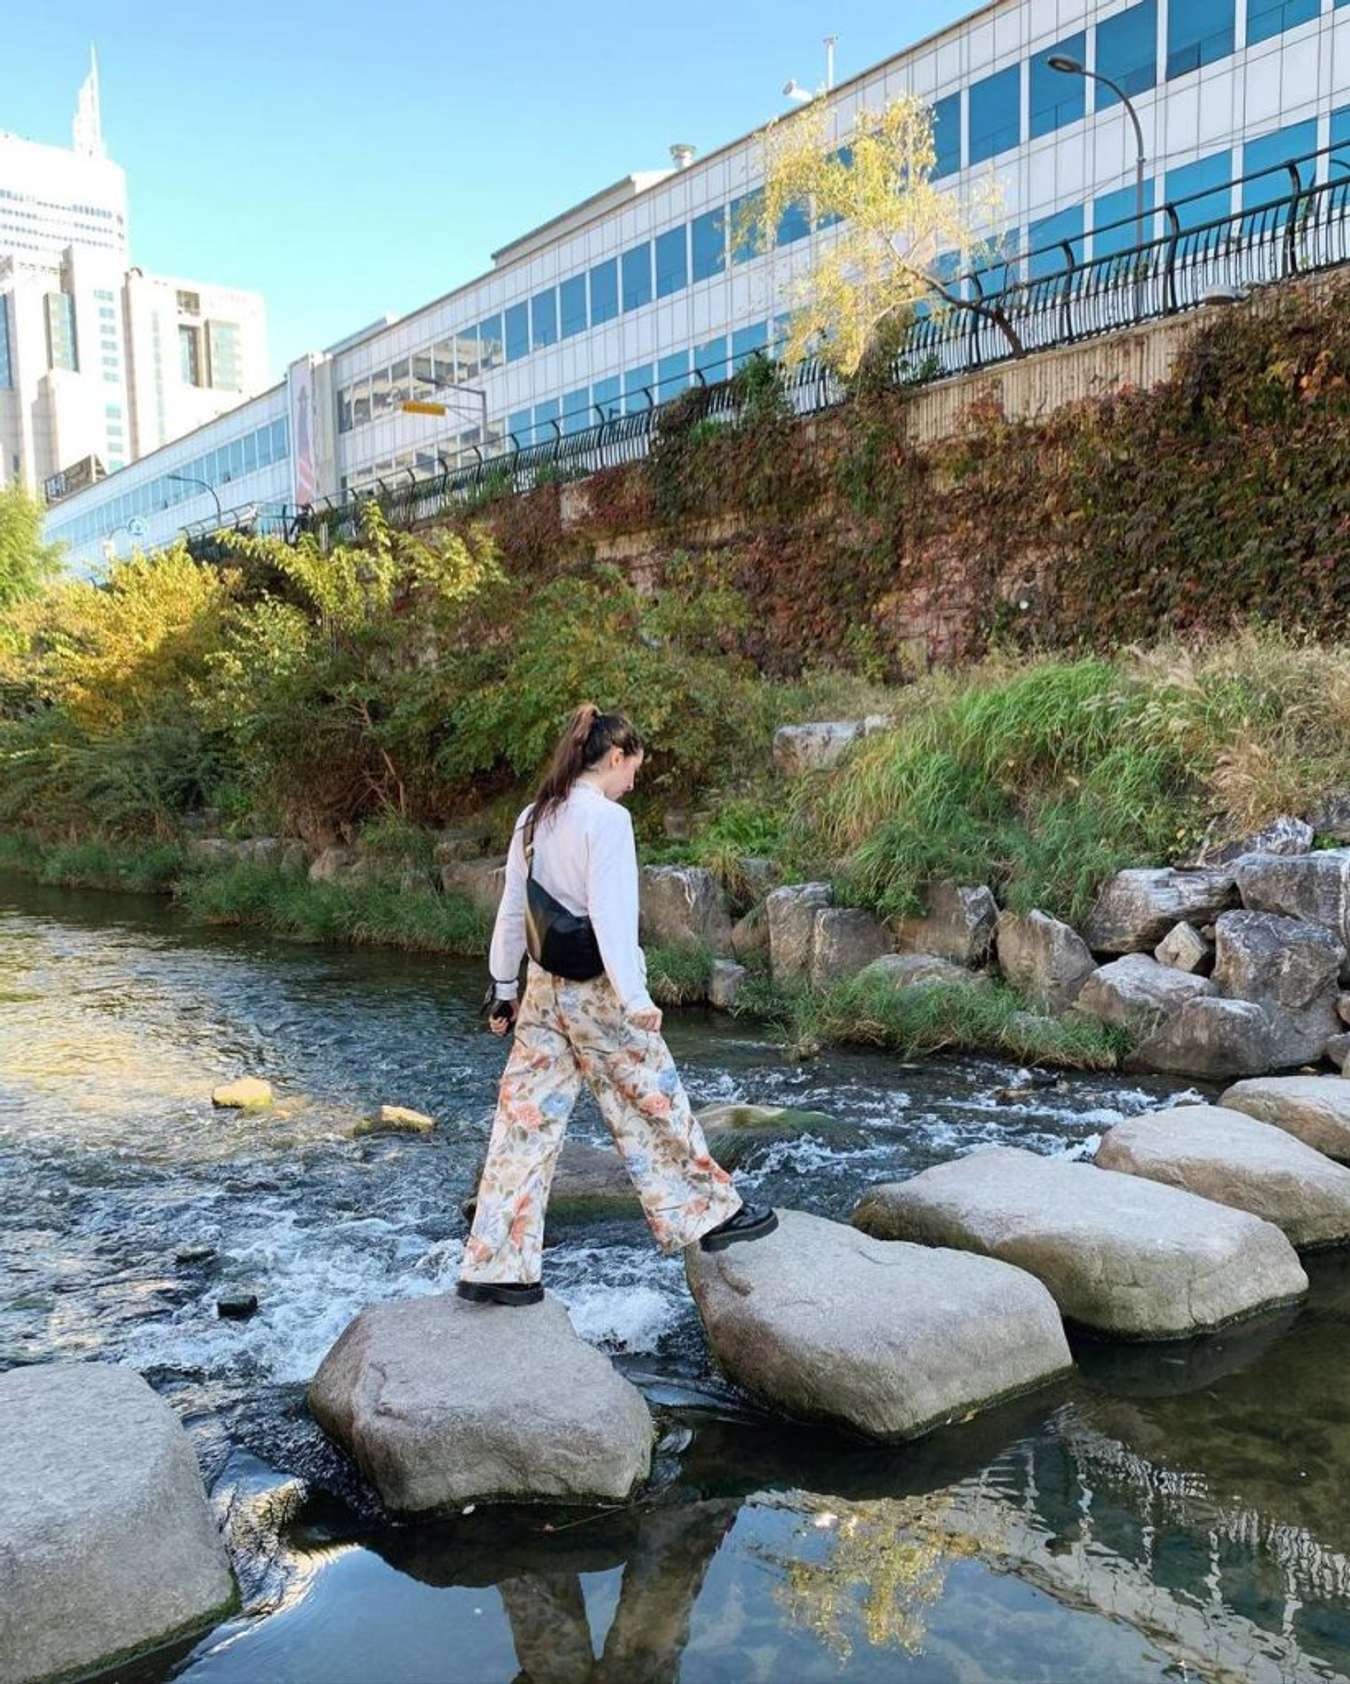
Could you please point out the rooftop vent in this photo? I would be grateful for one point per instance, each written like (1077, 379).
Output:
(682, 154)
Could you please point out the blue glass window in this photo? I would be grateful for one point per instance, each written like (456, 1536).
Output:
(545, 414)
(672, 261)
(1057, 97)
(517, 332)
(572, 295)
(1272, 17)
(576, 410)
(1114, 214)
(672, 376)
(1270, 151)
(1214, 173)
(604, 292)
(745, 341)
(708, 235)
(995, 113)
(1198, 32)
(605, 397)
(747, 226)
(793, 224)
(544, 318)
(1340, 136)
(490, 342)
(636, 265)
(711, 359)
(1127, 52)
(947, 135)
(637, 382)
(1045, 256)
(521, 427)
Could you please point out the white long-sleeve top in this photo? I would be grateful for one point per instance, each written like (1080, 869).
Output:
(585, 856)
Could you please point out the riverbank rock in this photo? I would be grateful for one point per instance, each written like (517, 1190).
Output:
(1042, 958)
(844, 941)
(1208, 1038)
(477, 881)
(1185, 949)
(107, 1541)
(1121, 1255)
(1331, 816)
(248, 1093)
(821, 744)
(1337, 1050)
(589, 1183)
(920, 970)
(1136, 909)
(724, 983)
(750, 934)
(1285, 835)
(1231, 1158)
(735, 1132)
(440, 1401)
(1314, 1109)
(1136, 992)
(683, 903)
(395, 1119)
(957, 923)
(1289, 968)
(826, 1324)
(1314, 887)
(791, 916)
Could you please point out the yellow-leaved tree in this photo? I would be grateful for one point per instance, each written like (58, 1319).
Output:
(890, 226)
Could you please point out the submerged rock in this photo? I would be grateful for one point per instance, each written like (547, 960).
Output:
(735, 1132)
(888, 1340)
(441, 1402)
(1121, 1255)
(1136, 909)
(1043, 959)
(247, 1094)
(107, 1541)
(395, 1119)
(1231, 1158)
(1314, 1109)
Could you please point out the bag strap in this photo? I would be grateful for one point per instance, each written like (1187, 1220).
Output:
(529, 845)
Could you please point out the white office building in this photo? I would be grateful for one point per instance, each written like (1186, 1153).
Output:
(101, 363)
(637, 291)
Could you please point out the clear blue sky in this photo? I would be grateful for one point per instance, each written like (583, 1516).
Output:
(347, 161)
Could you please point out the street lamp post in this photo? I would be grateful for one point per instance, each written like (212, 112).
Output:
(1071, 67)
(424, 406)
(188, 479)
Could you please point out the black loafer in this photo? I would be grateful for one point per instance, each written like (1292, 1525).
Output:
(501, 1292)
(751, 1222)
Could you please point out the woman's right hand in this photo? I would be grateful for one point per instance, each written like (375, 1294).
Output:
(648, 1018)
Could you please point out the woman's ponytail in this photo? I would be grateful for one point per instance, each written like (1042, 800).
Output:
(589, 734)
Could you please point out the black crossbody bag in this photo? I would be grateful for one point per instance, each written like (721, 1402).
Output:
(556, 939)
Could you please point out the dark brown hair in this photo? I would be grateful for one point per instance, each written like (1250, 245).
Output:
(589, 736)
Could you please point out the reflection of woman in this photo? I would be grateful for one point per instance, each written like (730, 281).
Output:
(600, 1024)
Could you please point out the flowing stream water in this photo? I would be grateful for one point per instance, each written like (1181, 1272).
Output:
(1170, 1513)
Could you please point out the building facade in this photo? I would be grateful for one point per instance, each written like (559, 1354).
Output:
(101, 363)
(627, 298)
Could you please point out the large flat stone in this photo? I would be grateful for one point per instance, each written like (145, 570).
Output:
(107, 1542)
(1314, 1109)
(889, 1340)
(1121, 1255)
(1231, 1158)
(1314, 887)
(440, 1401)
(1136, 909)
(1042, 958)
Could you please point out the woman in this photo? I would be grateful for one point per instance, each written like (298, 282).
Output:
(595, 1021)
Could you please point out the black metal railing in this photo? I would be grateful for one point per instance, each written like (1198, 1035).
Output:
(1013, 305)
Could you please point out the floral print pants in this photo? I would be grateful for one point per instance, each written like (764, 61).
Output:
(564, 1031)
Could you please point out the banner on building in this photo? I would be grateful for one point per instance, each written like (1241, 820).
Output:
(305, 480)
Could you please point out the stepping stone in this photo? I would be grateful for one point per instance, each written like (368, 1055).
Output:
(1121, 1255)
(590, 1184)
(108, 1546)
(827, 1324)
(1314, 1109)
(440, 1401)
(734, 1133)
(1231, 1158)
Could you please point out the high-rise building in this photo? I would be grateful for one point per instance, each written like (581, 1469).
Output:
(652, 284)
(100, 363)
